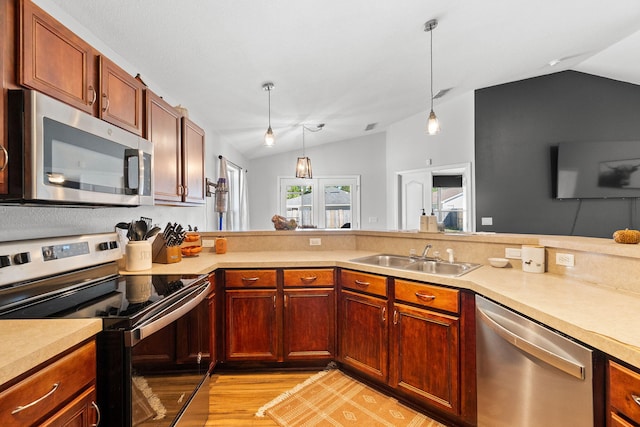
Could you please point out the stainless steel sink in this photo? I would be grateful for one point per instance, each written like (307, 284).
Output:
(424, 265)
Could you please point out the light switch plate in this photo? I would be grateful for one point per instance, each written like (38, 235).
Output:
(315, 241)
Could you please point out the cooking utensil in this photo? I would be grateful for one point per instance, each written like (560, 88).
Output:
(150, 233)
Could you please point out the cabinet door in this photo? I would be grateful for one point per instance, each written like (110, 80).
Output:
(163, 129)
(120, 97)
(55, 61)
(192, 338)
(364, 334)
(251, 325)
(81, 412)
(4, 157)
(425, 356)
(193, 162)
(309, 324)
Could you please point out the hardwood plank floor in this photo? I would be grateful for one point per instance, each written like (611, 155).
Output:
(234, 398)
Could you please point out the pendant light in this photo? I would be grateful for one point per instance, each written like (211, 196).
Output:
(433, 126)
(303, 167)
(269, 137)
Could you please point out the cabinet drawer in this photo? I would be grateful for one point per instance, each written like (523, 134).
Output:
(624, 385)
(250, 279)
(50, 388)
(370, 283)
(308, 277)
(428, 296)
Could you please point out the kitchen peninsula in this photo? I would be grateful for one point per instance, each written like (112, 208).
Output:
(594, 302)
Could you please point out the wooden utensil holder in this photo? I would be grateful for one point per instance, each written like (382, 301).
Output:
(164, 254)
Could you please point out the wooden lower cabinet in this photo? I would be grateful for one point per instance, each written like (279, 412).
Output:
(309, 324)
(251, 325)
(623, 396)
(61, 393)
(425, 356)
(364, 333)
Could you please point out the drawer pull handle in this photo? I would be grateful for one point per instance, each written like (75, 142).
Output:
(636, 399)
(97, 408)
(309, 279)
(6, 158)
(35, 402)
(250, 279)
(361, 283)
(425, 297)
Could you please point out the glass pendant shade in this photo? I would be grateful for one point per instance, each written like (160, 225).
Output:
(303, 168)
(433, 125)
(269, 138)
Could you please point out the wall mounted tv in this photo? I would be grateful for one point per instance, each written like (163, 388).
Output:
(598, 170)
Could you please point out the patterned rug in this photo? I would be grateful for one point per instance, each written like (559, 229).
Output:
(331, 398)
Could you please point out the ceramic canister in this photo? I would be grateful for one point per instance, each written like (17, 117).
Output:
(533, 259)
(138, 255)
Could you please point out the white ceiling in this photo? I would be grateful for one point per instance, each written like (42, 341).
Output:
(350, 63)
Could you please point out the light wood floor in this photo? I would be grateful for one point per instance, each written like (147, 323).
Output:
(234, 398)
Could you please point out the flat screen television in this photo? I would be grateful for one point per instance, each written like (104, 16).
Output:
(598, 170)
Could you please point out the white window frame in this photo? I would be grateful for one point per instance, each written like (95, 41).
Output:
(318, 202)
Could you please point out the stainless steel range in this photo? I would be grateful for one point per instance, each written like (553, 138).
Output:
(140, 381)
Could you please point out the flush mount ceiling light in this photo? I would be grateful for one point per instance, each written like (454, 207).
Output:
(303, 167)
(433, 126)
(269, 137)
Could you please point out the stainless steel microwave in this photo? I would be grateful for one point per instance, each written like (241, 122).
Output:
(60, 155)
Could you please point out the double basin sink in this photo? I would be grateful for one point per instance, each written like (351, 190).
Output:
(419, 264)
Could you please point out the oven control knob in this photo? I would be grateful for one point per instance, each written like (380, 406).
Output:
(113, 244)
(22, 258)
(103, 246)
(5, 261)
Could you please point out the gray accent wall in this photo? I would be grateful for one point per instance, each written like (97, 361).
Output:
(518, 124)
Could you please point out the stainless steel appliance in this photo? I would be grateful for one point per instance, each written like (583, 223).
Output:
(77, 277)
(529, 375)
(60, 155)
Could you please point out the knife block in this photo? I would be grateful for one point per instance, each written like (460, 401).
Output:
(163, 254)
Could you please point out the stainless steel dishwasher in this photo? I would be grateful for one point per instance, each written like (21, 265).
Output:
(529, 375)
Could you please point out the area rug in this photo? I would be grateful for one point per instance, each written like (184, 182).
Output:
(331, 398)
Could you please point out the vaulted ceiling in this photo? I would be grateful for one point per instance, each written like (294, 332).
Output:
(350, 63)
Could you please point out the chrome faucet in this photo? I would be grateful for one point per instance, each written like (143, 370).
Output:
(426, 250)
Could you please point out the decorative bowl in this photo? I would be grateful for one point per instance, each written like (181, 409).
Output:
(498, 262)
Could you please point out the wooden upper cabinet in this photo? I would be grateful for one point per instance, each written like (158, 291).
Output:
(193, 162)
(163, 128)
(55, 61)
(120, 97)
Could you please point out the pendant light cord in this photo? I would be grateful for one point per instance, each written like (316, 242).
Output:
(431, 65)
(269, 90)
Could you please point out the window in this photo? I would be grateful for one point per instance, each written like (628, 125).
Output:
(328, 202)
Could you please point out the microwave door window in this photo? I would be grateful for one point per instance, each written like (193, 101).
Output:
(78, 160)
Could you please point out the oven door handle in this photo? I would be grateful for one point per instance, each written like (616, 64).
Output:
(170, 314)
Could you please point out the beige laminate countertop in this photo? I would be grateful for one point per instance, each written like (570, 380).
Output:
(602, 317)
(28, 343)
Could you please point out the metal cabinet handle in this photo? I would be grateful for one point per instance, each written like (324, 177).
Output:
(106, 107)
(186, 190)
(94, 97)
(6, 158)
(286, 298)
(309, 279)
(250, 280)
(384, 314)
(636, 399)
(274, 302)
(425, 297)
(361, 283)
(97, 408)
(35, 402)
(395, 317)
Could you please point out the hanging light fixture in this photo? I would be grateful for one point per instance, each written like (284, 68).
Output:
(269, 137)
(433, 126)
(303, 167)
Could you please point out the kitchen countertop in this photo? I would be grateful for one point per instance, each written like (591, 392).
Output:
(28, 343)
(599, 316)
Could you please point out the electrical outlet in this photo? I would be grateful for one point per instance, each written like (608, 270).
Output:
(513, 253)
(315, 241)
(565, 259)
